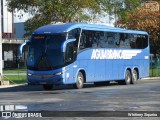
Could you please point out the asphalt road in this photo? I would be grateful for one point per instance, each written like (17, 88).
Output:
(144, 96)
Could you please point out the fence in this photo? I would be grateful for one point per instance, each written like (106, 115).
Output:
(154, 67)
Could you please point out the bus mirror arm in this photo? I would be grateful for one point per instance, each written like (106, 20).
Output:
(21, 49)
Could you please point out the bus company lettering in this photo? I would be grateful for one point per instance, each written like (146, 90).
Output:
(114, 54)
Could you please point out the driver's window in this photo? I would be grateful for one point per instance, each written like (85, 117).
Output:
(69, 55)
(74, 34)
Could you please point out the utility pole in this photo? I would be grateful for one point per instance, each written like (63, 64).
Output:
(1, 61)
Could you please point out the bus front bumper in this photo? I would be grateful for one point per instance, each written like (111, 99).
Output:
(36, 79)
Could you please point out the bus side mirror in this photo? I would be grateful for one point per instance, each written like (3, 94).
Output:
(65, 44)
(21, 49)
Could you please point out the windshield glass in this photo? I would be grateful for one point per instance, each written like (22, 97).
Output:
(45, 52)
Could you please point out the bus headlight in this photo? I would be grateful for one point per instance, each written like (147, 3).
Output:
(59, 73)
(29, 74)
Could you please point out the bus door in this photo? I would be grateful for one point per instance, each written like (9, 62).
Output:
(70, 57)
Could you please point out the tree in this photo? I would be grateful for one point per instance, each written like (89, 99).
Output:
(45, 12)
(120, 8)
(127, 6)
(146, 20)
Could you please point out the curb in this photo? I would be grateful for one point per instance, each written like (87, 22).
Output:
(9, 86)
(151, 78)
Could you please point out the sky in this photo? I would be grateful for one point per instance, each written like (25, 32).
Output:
(23, 18)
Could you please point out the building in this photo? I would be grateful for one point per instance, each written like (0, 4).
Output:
(10, 47)
(19, 31)
(12, 37)
(7, 21)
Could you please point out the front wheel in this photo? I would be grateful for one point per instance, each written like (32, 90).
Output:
(80, 81)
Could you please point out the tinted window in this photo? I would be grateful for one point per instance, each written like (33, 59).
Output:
(112, 39)
(75, 34)
(91, 39)
(138, 41)
(100, 39)
(86, 40)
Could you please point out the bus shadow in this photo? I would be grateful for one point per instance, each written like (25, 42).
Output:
(27, 88)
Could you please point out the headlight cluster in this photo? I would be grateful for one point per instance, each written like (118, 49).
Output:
(59, 73)
(29, 74)
(56, 74)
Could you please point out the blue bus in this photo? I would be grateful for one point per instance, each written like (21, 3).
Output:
(77, 53)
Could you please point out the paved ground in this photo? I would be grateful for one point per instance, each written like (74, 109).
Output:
(144, 96)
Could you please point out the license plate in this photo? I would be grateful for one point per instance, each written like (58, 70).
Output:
(43, 83)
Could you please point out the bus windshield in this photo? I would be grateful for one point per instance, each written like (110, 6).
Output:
(45, 52)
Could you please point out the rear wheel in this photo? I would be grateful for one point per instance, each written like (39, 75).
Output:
(128, 78)
(134, 77)
(80, 81)
(48, 86)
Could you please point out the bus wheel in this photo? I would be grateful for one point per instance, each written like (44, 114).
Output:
(134, 77)
(80, 81)
(128, 78)
(48, 86)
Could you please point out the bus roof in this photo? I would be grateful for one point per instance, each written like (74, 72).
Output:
(65, 27)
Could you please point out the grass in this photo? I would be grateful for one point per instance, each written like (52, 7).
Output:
(15, 79)
(154, 72)
(15, 76)
(5, 71)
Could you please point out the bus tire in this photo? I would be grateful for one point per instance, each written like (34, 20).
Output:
(80, 81)
(134, 77)
(48, 86)
(128, 77)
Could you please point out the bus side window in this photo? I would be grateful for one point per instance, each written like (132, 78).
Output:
(74, 34)
(125, 41)
(102, 40)
(145, 40)
(94, 42)
(69, 54)
(112, 40)
(82, 41)
(121, 40)
(138, 41)
(86, 39)
(116, 39)
(132, 41)
(141, 42)
(105, 41)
